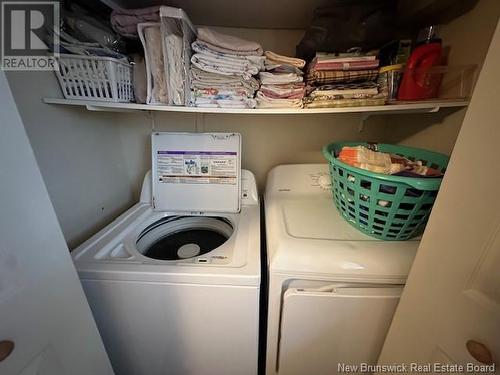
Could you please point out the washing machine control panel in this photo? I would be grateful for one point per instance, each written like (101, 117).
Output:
(320, 180)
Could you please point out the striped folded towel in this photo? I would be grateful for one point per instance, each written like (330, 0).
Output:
(339, 76)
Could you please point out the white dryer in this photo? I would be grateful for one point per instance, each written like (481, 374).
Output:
(332, 289)
(174, 282)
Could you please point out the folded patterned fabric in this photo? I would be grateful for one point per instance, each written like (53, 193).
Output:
(278, 78)
(226, 66)
(205, 89)
(282, 68)
(202, 79)
(282, 84)
(224, 43)
(206, 86)
(280, 59)
(355, 65)
(338, 76)
(292, 90)
(347, 90)
(206, 105)
(231, 103)
(227, 51)
(199, 46)
(263, 101)
(270, 94)
(213, 92)
(224, 102)
(202, 48)
(221, 77)
(343, 96)
(321, 102)
(241, 85)
(346, 57)
(216, 98)
(124, 21)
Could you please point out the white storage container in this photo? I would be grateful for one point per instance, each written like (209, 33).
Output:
(177, 35)
(95, 78)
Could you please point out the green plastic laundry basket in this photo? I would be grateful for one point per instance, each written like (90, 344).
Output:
(387, 207)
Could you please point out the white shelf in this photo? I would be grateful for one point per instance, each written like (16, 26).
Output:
(430, 106)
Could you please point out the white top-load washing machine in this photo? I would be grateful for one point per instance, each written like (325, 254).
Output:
(332, 289)
(174, 282)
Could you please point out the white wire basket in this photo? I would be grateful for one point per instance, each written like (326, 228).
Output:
(95, 78)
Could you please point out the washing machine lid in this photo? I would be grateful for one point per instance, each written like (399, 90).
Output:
(196, 172)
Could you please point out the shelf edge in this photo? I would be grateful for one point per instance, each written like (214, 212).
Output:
(420, 107)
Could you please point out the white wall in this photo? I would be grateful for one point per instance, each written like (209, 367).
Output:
(79, 153)
(267, 140)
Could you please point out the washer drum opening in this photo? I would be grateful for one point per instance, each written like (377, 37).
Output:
(183, 237)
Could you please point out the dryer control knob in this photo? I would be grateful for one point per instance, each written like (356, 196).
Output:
(325, 182)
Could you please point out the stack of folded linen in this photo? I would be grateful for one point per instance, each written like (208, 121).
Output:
(222, 70)
(345, 80)
(328, 69)
(282, 84)
(345, 95)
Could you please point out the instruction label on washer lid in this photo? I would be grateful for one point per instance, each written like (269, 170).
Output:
(197, 167)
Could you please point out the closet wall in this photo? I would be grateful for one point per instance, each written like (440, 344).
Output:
(80, 156)
(468, 37)
(93, 163)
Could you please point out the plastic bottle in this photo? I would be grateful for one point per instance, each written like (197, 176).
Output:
(419, 82)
